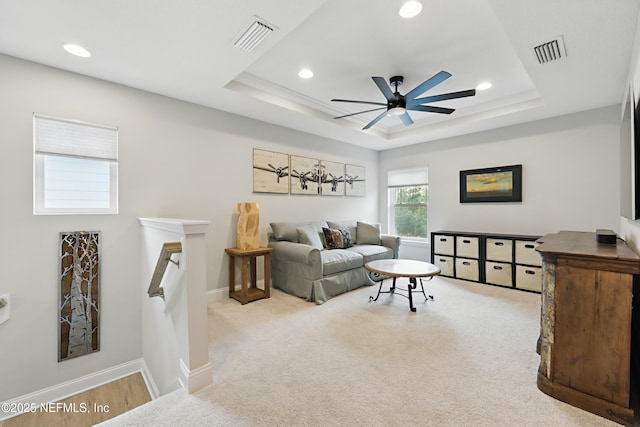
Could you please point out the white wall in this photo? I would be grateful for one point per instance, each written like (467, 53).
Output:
(182, 160)
(177, 160)
(570, 175)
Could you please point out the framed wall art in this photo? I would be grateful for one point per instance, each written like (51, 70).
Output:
(354, 178)
(331, 178)
(79, 292)
(497, 184)
(270, 172)
(305, 173)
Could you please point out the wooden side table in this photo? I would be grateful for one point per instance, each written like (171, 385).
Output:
(248, 268)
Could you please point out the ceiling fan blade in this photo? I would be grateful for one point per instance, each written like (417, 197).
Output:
(374, 121)
(384, 88)
(431, 109)
(359, 102)
(444, 96)
(353, 114)
(406, 119)
(426, 85)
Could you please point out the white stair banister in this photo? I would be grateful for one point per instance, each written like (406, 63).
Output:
(174, 328)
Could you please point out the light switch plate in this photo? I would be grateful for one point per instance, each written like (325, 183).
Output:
(6, 310)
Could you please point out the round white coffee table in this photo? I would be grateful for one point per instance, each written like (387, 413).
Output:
(411, 269)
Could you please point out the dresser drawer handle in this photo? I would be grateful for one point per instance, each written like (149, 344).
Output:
(530, 272)
(497, 267)
(499, 243)
(466, 241)
(467, 263)
(529, 246)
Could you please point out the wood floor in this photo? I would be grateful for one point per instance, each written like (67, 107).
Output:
(90, 407)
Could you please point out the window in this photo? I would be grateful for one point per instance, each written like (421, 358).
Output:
(408, 194)
(75, 167)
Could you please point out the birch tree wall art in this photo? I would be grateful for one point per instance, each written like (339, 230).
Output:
(79, 307)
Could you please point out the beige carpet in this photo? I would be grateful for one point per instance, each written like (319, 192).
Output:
(465, 359)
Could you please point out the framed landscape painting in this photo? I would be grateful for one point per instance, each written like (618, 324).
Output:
(270, 172)
(354, 179)
(332, 178)
(498, 184)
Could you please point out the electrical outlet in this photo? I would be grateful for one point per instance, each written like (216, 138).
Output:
(5, 308)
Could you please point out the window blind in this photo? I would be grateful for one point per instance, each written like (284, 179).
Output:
(70, 138)
(407, 177)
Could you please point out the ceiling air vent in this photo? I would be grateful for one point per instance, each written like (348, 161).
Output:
(253, 35)
(550, 51)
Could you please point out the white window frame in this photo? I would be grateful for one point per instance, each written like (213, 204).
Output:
(95, 151)
(406, 178)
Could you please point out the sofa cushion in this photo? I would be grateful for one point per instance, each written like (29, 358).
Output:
(337, 239)
(288, 230)
(340, 260)
(309, 236)
(350, 225)
(372, 252)
(368, 234)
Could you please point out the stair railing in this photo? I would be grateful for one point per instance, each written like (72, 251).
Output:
(168, 249)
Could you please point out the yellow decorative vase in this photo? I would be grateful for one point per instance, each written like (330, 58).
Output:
(248, 226)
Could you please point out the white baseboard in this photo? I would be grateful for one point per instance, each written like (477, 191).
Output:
(154, 392)
(79, 385)
(193, 380)
(217, 293)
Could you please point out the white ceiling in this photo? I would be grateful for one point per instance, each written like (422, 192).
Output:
(184, 49)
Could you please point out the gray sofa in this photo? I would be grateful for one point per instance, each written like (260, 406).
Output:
(303, 265)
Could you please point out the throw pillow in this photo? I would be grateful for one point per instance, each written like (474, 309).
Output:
(288, 230)
(350, 225)
(368, 234)
(309, 236)
(337, 239)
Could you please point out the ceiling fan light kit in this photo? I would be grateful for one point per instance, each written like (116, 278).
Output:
(396, 111)
(399, 105)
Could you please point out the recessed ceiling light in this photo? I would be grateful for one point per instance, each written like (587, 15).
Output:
(305, 73)
(484, 86)
(76, 50)
(410, 9)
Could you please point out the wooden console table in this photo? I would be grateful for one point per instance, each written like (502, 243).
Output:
(248, 267)
(585, 325)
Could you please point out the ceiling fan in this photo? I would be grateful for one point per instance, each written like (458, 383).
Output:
(398, 105)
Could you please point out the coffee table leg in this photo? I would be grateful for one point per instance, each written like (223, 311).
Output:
(422, 286)
(379, 289)
(412, 286)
